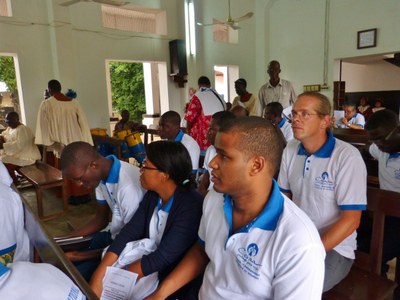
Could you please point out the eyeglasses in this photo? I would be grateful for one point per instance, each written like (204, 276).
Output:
(303, 115)
(143, 167)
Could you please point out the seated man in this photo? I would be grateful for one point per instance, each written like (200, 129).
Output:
(327, 179)
(218, 119)
(169, 129)
(14, 241)
(352, 119)
(118, 192)
(125, 123)
(273, 113)
(17, 142)
(25, 280)
(383, 129)
(253, 241)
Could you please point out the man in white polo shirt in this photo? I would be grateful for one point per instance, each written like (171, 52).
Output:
(118, 193)
(352, 119)
(26, 280)
(326, 178)
(254, 242)
(169, 128)
(383, 129)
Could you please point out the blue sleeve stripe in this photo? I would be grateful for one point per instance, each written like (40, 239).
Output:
(353, 207)
(102, 202)
(284, 190)
(201, 242)
(8, 250)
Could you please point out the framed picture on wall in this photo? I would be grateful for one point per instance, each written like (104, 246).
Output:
(366, 38)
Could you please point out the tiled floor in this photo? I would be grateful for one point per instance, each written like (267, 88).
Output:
(77, 215)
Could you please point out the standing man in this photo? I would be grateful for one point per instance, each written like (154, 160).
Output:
(352, 119)
(327, 179)
(118, 193)
(276, 89)
(169, 129)
(254, 242)
(17, 142)
(249, 101)
(60, 121)
(202, 106)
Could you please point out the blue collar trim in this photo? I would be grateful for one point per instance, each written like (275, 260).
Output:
(281, 123)
(167, 207)
(113, 175)
(179, 137)
(3, 269)
(324, 152)
(267, 219)
(394, 155)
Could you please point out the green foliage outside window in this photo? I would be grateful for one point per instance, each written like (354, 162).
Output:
(127, 89)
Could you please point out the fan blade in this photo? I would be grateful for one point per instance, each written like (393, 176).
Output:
(68, 3)
(244, 17)
(215, 21)
(201, 24)
(235, 26)
(111, 2)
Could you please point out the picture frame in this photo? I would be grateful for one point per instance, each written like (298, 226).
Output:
(366, 38)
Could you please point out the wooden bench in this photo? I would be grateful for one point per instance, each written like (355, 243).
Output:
(352, 136)
(43, 176)
(47, 251)
(364, 281)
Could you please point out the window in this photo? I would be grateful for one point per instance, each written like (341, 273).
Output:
(5, 8)
(136, 19)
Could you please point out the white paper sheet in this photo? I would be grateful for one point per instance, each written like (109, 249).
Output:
(118, 284)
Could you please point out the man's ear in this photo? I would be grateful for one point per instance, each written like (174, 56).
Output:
(258, 164)
(326, 122)
(94, 165)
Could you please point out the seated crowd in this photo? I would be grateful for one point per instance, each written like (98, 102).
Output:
(275, 214)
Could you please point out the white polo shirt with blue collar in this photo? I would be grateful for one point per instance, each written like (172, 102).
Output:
(192, 147)
(388, 168)
(26, 280)
(279, 255)
(121, 191)
(323, 184)
(286, 129)
(357, 119)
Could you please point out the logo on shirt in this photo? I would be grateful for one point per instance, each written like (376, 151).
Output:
(397, 174)
(246, 260)
(323, 183)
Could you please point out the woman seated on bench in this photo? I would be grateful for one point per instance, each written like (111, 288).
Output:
(169, 214)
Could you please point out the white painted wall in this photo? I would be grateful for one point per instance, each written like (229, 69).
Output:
(377, 76)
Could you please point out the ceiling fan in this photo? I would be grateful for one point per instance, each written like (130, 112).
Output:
(109, 2)
(231, 22)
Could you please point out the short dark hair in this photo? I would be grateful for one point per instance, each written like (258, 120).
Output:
(241, 81)
(257, 137)
(384, 118)
(13, 115)
(203, 80)
(222, 117)
(78, 154)
(171, 117)
(54, 85)
(275, 108)
(172, 158)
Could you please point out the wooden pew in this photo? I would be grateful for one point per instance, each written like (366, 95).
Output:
(352, 136)
(364, 281)
(43, 176)
(47, 251)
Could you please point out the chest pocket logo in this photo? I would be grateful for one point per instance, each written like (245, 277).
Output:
(324, 183)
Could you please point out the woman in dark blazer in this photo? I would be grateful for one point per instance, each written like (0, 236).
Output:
(169, 214)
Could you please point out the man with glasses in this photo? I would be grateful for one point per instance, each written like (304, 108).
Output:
(352, 119)
(325, 177)
(384, 131)
(118, 192)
